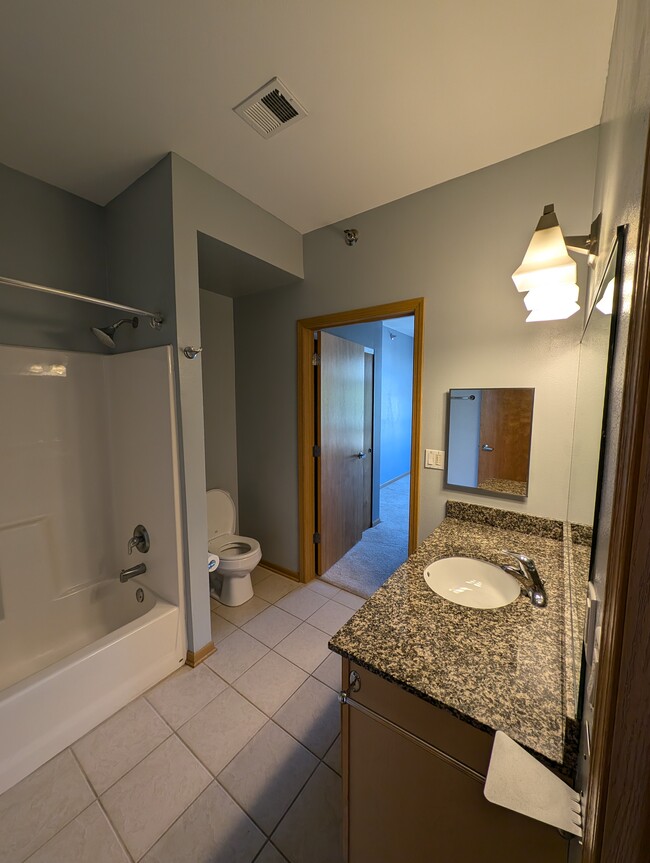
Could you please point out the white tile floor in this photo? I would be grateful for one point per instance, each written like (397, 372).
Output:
(235, 761)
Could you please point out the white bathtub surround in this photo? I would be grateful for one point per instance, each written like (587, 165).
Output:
(206, 766)
(87, 452)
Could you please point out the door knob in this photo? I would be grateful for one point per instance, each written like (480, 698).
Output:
(487, 448)
(361, 455)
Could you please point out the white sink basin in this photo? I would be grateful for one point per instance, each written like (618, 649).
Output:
(470, 582)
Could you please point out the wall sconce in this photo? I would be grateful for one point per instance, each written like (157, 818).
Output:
(548, 274)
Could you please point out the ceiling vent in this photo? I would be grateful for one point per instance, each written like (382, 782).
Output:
(272, 108)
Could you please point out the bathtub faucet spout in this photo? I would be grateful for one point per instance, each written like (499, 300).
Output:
(132, 571)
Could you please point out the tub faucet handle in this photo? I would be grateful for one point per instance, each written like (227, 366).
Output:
(139, 540)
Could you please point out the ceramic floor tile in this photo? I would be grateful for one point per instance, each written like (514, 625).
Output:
(302, 602)
(270, 854)
(184, 693)
(306, 647)
(221, 628)
(312, 716)
(271, 626)
(240, 614)
(350, 599)
(267, 775)
(218, 732)
(259, 574)
(89, 837)
(275, 587)
(40, 805)
(145, 802)
(322, 587)
(329, 672)
(331, 616)
(109, 751)
(213, 830)
(270, 682)
(333, 757)
(235, 655)
(310, 832)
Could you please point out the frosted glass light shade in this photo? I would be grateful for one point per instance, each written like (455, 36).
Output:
(546, 261)
(548, 273)
(550, 296)
(552, 303)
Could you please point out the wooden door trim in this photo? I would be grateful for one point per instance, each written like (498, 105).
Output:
(618, 800)
(307, 405)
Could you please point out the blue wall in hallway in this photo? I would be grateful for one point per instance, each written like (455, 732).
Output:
(396, 404)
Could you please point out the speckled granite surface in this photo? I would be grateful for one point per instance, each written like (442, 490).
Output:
(505, 486)
(501, 668)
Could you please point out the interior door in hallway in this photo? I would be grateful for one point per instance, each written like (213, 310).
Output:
(340, 436)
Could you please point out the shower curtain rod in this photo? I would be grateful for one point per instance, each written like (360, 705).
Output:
(154, 318)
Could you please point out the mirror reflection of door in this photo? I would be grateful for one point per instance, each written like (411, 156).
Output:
(505, 430)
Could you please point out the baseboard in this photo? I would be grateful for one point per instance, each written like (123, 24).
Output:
(394, 479)
(196, 657)
(279, 570)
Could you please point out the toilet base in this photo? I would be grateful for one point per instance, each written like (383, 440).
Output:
(236, 590)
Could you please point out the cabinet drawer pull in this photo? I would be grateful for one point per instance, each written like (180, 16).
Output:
(344, 699)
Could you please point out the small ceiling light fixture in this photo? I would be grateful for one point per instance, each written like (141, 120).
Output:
(351, 236)
(548, 274)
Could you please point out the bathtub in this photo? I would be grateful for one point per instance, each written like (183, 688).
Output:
(104, 645)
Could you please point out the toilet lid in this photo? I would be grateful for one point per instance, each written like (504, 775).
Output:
(221, 513)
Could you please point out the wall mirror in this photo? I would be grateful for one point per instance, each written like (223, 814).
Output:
(488, 440)
(589, 438)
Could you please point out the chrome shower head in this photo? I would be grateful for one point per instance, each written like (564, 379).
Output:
(105, 334)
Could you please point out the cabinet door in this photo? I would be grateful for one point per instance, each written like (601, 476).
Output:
(406, 805)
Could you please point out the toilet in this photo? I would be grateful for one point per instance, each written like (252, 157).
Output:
(238, 555)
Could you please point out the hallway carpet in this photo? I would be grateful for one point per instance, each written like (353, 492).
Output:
(382, 548)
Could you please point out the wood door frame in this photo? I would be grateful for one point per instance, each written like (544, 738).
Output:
(307, 406)
(616, 824)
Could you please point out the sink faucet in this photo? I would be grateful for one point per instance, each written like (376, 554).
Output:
(132, 571)
(526, 573)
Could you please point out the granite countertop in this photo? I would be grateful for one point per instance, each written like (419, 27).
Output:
(499, 669)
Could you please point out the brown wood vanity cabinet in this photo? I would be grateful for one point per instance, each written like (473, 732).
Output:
(406, 804)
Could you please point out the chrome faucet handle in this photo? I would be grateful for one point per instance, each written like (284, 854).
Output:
(535, 589)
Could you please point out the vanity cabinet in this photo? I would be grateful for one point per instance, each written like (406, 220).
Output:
(406, 804)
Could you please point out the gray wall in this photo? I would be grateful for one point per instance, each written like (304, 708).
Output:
(396, 404)
(219, 403)
(619, 185)
(457, 245)
(201, 203)
(140, 247)
(50, 237)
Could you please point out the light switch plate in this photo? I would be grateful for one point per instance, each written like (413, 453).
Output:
(434, 459)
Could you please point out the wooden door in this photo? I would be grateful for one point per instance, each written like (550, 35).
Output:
(339, 471)
(506, 421)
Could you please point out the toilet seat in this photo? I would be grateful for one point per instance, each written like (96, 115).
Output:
(232, 547)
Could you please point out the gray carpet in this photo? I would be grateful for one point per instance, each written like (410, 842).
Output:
(382, 549)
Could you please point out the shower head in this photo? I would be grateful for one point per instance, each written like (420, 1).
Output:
(105, 334)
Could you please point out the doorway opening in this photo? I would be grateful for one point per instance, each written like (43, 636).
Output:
(359, 442)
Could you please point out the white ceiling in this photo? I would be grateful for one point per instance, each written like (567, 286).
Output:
(401, 94)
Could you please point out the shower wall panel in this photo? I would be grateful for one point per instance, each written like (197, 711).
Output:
(144, 456)
(88, 451)
(56, 516)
